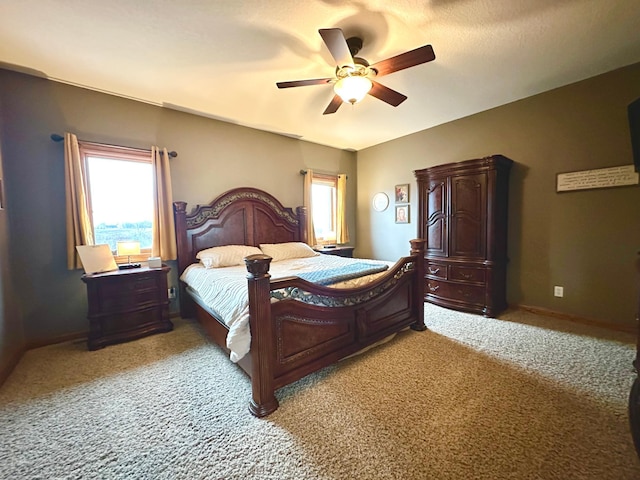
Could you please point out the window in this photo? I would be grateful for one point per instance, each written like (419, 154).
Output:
(324, 200)
(120, 194)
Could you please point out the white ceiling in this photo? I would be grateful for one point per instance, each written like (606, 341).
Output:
(222, 58)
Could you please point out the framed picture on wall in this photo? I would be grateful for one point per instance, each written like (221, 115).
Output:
(402, 193)
(402, 214)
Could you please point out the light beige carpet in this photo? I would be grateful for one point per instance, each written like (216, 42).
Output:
(521, 397)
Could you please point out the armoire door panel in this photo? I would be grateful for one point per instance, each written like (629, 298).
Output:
(435, 228)
(467, 237)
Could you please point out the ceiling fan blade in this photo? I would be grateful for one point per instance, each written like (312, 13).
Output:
(337, 45)
(302, 83)
(405, 60)
(333, 106)
(386, 94)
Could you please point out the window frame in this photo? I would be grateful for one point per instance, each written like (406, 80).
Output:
(332, 181)
(112, 152)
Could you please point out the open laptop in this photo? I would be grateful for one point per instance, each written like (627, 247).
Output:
(96, 258)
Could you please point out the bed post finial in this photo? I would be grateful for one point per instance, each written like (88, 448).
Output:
(257, 265)
(263, 399)
(417, 246)
(417, 250)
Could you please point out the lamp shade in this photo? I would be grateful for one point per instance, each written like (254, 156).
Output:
(353, 88)
(128, 248)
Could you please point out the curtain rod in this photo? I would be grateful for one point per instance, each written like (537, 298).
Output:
(58, 138)
(320, 172)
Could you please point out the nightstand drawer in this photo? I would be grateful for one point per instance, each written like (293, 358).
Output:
(111, 329)
(115, 324)
(139, 283)
(127, 300)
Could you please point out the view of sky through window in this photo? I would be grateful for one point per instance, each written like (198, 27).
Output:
(323, 199)
(121, 200)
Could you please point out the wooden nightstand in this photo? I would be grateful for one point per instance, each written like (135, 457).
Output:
(127, 304)
(343, 251)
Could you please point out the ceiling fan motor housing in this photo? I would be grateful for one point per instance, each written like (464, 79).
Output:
(355, 45)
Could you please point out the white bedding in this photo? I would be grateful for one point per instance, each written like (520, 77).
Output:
(224, 291)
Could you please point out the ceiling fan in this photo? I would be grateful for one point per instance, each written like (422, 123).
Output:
(354, 77)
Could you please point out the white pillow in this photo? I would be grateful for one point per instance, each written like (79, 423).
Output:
(285, 251)
(226, 255)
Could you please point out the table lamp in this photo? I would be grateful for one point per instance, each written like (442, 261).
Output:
(128, 249)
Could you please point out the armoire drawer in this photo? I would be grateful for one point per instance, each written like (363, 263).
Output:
(436, 270)
(467, 274)
(455, 291)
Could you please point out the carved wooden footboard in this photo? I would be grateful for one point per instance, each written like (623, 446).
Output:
(311, 327)
(297, 327)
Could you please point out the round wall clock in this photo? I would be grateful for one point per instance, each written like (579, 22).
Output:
(380, 202)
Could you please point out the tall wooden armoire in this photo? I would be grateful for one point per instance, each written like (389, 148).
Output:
(463, 214)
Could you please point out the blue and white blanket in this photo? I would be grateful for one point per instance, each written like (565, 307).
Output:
(342, 273)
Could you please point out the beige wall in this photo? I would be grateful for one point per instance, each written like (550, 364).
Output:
(212, 157)
(585, 241)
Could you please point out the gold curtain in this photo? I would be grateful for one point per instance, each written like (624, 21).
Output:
(306, 201)
(342, 231)
(163, 227)
(79, 227)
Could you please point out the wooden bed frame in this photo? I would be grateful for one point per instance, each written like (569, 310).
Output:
(310, 326)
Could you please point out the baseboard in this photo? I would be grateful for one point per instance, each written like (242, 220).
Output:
(577, 319)
(70, 337)
(7, 368)
(60, 339)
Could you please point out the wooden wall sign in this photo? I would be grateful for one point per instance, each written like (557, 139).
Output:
(621, 176)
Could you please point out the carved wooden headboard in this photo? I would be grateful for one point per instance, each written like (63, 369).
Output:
(242, 216)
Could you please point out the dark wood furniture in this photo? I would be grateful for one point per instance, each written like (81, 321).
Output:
(310, 326)
(462, 214)
(341, 251)
(127, 304)
(634, 395)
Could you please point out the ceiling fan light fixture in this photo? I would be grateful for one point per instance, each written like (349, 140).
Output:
(352, 88)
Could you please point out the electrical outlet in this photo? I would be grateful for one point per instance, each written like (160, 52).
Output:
(558, 291)
(172, 292)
